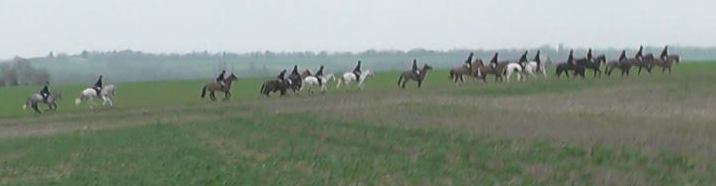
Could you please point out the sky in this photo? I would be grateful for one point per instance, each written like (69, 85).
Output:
(36, 27)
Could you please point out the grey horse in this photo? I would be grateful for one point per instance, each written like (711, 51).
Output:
(35, 99)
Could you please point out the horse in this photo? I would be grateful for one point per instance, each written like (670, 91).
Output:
(575, 65)
(640, 63)
(669, 60)
(349, 77)
(481, 71)
(535, 66)
(517, 66)
(458, 72)
(275, 85)
(411, 75)
(623, 63)
(214, 86)
(35, 99)
(513, 67)
(312, 81)
(596, 64)
(297, 79)
(89, 94)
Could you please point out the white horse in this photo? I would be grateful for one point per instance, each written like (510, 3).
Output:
(534, 67)
(90, 94)
(349, 77)
(513, 67)
(312, 81)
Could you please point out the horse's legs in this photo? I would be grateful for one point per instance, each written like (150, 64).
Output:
(227, 95)
(105, 100)
(109, 101)
(639, 71)
(420, 83)
(35, 108)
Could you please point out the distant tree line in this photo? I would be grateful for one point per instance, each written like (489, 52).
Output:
(129, 65)
(20, 72)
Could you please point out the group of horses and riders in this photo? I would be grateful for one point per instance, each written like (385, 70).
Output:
(524, 68)
(297, 82)
(50, 98)
(623, 63)
(501, 70)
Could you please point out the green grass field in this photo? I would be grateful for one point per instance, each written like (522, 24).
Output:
(647, 130)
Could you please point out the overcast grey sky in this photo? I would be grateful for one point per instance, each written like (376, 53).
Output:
(35, 27)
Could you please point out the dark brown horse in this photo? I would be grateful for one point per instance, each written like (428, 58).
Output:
(640, 63)
(215, 86)
(578, 67)
(411, 75)
(275, 85)
(596, 64)
(623, 63)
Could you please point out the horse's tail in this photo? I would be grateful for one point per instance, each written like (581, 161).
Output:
(203, 91)
(78, 100)
(400, 79)
(263, 87)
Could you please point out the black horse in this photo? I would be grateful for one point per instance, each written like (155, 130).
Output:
(296, 81)
(577, 66)
(275, 85)
(596, 64)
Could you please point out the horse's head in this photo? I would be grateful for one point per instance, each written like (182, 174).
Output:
(306, 73)
(478, 62)
(673, 58)
(232, 77)
(649, 56)
(601, 59)
(368, 73)
(426, 67)
(329, 77)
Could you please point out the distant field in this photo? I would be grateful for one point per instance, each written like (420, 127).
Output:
(646, 130)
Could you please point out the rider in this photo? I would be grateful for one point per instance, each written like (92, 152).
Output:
(357, 72)
(493, 61)
(589, 55)
(294, 72)
(319, 76)
(468, 62)
(538, 61)
(570, 59)
(281, 75)
(416, 71)
(45, 92)
(665, 53)
(221, 78)
(98, 85)
(622, 56)
(639, 53)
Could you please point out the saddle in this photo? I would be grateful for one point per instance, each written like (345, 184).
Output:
(98, 90)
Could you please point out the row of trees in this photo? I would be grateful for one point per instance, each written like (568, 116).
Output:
(20, 72)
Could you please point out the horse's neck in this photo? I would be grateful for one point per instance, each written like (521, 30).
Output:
(228, 82)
